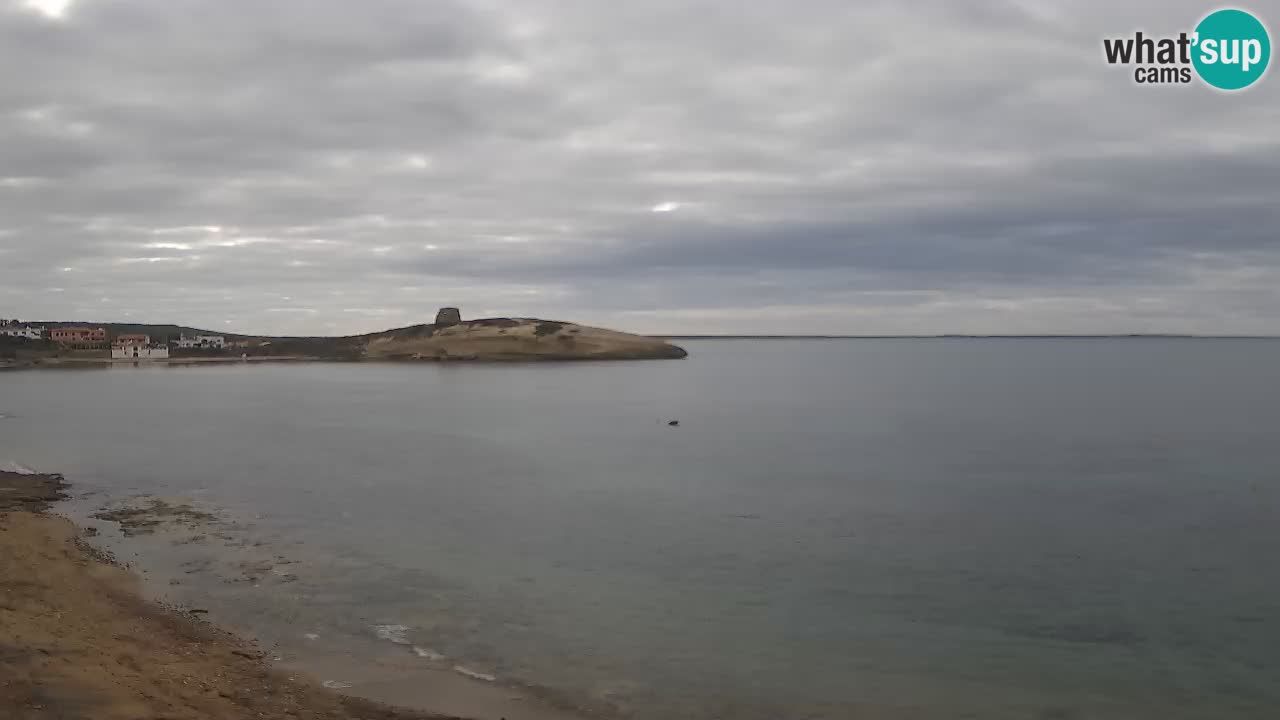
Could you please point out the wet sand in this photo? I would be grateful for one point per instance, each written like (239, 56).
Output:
(78, 639)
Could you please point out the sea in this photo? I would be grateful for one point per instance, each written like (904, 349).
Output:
(1054, 529)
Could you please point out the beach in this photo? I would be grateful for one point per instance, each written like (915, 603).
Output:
(55, 363)
(80, 641)
(79, 638)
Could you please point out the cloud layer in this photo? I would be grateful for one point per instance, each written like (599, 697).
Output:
(302, 166)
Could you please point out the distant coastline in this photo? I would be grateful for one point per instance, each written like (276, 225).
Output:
(448, 339)
(1131, 336)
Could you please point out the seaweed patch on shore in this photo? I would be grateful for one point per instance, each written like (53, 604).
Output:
(30, 491)
(143, 516)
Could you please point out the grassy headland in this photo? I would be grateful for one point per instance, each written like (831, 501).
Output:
(487, 339)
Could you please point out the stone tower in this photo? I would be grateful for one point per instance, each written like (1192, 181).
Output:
(448, 316)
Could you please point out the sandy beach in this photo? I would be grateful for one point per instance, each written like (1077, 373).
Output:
(80, 639)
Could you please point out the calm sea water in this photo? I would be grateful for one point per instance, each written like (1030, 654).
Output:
(871, 528)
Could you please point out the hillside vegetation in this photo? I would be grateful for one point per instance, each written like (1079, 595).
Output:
(515, 339)
(488, 339)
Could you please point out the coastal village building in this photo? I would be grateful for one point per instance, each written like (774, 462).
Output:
(139, 352)
(13, 328)
(137, 347)
(207, 342)
(79, 338)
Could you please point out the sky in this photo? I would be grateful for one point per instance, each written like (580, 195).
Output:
(809, 166)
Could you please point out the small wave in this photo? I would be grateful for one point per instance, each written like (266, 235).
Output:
(427, 653)
(398, 634)
(335, 685)
(18, 468)
(473, 674)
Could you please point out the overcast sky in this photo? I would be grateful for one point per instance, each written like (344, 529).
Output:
(331, 166)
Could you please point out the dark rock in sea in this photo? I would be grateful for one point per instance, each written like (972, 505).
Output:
(448, 316)
(674, 423)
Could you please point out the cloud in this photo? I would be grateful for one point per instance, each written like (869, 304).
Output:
(52, 9)
(661, 166)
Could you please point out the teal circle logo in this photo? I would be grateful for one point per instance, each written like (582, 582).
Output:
(1232, 49)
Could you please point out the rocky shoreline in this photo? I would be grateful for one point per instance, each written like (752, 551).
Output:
(83, 636)
(78, 640)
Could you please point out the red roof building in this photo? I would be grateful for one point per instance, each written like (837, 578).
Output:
(79, 338)
(131, 340)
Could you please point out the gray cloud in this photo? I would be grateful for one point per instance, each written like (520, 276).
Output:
(824, 166)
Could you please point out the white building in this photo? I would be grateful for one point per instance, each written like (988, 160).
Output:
(137, 347)
(139, 352)
(23, 331)
(209, 342)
